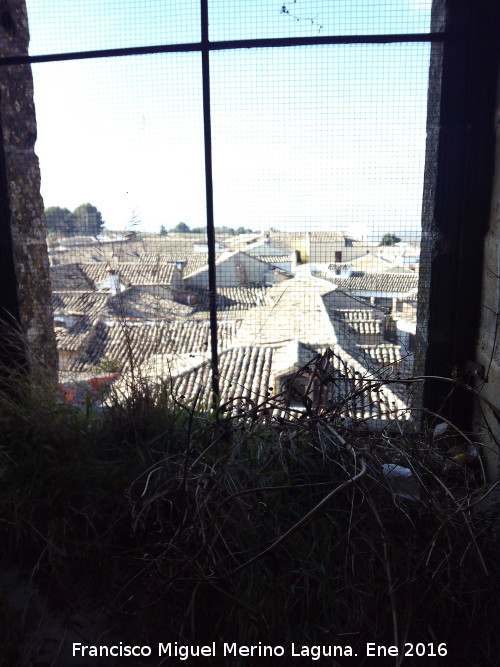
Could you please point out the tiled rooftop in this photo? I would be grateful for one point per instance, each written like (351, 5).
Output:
(293, 309)
(136, 303)
(327, 236)
(366, 327)
(359, 243)
(275, 259)
(247, 375)
(166, 335)
(381, 356)
(374, 282)
(69, 277)
(358, 315)
(91, 304)
(371, 263)
(130, 273)
(379, 402)
(224, 257)
(85, 308)
(239, 298)
(125, 343)
(349, 322)
(345, 308)
(193, 260)
(74, 338)
(286, 240)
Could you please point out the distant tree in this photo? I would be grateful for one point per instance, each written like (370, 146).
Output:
(60, 221)
(389, 239)
(163, 230)
(182, 228)
(225, 230)
(89, 220)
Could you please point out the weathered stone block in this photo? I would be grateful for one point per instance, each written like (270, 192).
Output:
(22, 202)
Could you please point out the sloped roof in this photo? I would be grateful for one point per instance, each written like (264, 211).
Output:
(91, 304)
(275, 259)
(126, 343)
(286, 240)
(246, 378)
(136, 303)
(372, 327)
(357, 314)
(132, 273)
(345, 307)
(241, 241)
(69, 277)
(381, 356)
(245, 373)
(240, 298)
(291, 357)
(87, 307)
(224, 257)
(322, 237)
(374, 282)
(274, 321)
(293, 309)
(371, 263)
(360, 243)
(193, 260)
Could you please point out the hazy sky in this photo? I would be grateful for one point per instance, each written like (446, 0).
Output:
(324, 137)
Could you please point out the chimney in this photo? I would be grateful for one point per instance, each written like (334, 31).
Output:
(114, 282)
(241, 278)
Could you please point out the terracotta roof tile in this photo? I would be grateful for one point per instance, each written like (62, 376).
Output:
(381, 356)
(293, 309)
(275, 259)
(240, 298)
(85, 308)
(130, 273)
(129, 343)
(193, 260)
(326, 236)
(69, 277)
(374, 282)
(246, 375)
(138, 304)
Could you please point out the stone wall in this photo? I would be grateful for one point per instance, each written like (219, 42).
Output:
(488, 348)
(23, 202)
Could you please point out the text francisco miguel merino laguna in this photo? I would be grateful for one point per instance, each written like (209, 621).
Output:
(186, 651)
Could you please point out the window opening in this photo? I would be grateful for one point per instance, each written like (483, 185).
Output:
(240, 189)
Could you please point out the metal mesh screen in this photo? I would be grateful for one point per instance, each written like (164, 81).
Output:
(76, 26)
(125, 134)
(297, 18)
(317, 157)
(321, 138)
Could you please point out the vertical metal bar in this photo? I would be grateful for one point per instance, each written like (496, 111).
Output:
(207, 126)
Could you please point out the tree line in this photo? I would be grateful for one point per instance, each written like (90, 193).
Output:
(183, 228)
(85, 220)
(389, 239)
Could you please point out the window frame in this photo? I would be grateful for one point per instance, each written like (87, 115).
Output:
(460, 159)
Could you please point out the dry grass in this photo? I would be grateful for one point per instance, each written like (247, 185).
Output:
(194, 526)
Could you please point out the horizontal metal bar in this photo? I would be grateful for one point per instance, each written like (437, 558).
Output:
(223, 46)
